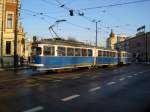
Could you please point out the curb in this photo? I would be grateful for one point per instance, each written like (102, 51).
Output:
(19, 68)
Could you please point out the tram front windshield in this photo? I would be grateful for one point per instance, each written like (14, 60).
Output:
(36, 51)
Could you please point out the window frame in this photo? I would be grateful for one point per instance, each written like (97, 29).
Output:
(8, 50)
(63, 53)
(91, 54)
(51, 50)
(77, 51)
(83, 53)
(9, 23)
(69, 54)
(100, 53)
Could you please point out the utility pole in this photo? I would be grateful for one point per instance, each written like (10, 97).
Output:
(96, 41)
(1, 36)
(96, 32)
(15, 37)
(146, 48)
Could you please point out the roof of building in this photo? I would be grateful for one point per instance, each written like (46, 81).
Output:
(139, 35)
(112, 34)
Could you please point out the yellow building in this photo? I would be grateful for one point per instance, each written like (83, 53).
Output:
(28, 45)
(7, 31)
(113, 39)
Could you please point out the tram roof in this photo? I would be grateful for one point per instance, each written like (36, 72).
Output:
(63, 42)
(67, 43)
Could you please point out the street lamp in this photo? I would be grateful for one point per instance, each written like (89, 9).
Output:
(16, 37)
(56, 22)
(96, 21)
(62, 20)
(96, 31)
(146, 48)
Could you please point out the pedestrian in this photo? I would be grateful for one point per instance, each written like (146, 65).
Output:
(21, 60)
(28, 59)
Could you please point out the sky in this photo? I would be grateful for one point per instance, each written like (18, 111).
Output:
(38, 15)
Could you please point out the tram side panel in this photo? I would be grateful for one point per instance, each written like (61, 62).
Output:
(123, 57)
(56, 62)
(106, 58)
(63, 56)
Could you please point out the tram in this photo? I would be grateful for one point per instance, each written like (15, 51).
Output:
(62, 54)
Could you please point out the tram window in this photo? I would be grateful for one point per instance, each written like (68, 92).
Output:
(119, 54)
(114, 54)
(77, 52)
(48, 50)
(104, 53)
(124, 55)
(90, 52)
(100, 53)
(107, 53)
(36, 50)
(61, 51)
(70, 52)
(84, 52)
(110, 54)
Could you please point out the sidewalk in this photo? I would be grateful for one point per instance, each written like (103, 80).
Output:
(2, 69)
(12, 68)
(147, 63)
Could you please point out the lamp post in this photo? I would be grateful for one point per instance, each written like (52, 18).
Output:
(1, 35)
(96, 32)
(16, 37)
(96, 22)
(146, 48)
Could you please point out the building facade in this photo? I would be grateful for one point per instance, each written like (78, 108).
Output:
(138, 46)
(2, 4)
(113, 39)
(28, 46)
(8, 16)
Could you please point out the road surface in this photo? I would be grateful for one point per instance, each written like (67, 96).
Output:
(118, 89)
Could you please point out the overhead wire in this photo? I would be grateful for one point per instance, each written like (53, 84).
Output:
(45, 15)
(76, 11)
(61, 5)
(114, 5)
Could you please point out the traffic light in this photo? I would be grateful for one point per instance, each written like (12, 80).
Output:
(71, 12)
(81, 14)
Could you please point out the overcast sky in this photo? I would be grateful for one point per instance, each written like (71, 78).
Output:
(38, 15)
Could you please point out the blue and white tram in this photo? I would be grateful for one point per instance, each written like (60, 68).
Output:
(53, 56)
(123, 57)
(106, 57)
(60, 55)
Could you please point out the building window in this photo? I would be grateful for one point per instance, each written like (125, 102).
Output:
(9, 21)
(8, 47)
